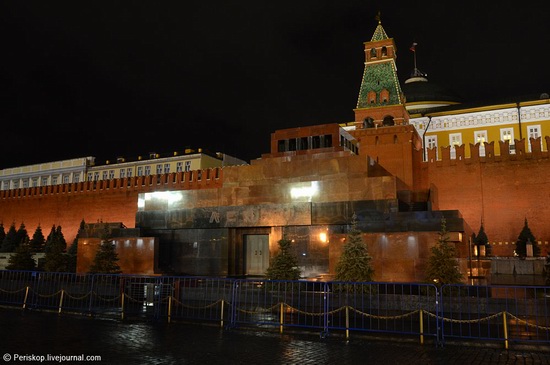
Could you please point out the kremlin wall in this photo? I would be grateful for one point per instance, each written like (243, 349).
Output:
(226, 221)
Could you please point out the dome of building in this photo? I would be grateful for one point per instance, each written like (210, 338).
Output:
(422, 96)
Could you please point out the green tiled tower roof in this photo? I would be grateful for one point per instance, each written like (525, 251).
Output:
(380, 73)
(379, 33)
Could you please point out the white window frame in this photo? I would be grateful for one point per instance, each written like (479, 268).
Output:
(533, 131)
(507, 134)
(431, 142)
(481, 137)
(187, 166)
(455, 139)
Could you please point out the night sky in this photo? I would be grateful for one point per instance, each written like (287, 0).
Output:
(113, 78)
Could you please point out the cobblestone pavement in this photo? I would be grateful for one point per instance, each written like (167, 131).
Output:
(135, 342)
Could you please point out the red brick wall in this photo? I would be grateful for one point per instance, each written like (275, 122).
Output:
(107, 201)
(502, 190)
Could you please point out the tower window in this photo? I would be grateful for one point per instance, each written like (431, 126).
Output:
(388, 121)
(373, 52)
(384, 51)
(368, 122)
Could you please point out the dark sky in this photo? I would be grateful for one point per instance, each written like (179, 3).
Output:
(112, 78)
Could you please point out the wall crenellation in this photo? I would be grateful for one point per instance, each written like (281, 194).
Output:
(194, 179)
(520, 153)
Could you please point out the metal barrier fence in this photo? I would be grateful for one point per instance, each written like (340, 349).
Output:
(506, 314)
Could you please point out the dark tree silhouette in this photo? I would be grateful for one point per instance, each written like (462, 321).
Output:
(106, 258)
(526, 236)
(55, 259)
(9, 244)
(38, 241)
(22, 259)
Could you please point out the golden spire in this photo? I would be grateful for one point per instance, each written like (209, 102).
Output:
(378, 18)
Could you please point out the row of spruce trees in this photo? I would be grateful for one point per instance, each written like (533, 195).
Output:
(355, 263)
(57, 256)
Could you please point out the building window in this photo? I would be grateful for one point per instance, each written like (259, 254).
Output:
(179, 166)
(76, 177)
(140, 171)
(6, 185)
(187, 166)
(104, 175)
(507, 134)
(147, 170)
(122, 173)
(111, 174)
(368, 123)
(533, 131)
(303, 143)
(15, 184)
(96, 176)
(481, 137)
(54, 180)
(166, 168)
(159, 169)
(455, 139)
(373, 52)
(431, 142)
(388, 121)
(89, 177)
(34, 182)
(129, 172)
(66, 179)
(25, 183)
(292, 144)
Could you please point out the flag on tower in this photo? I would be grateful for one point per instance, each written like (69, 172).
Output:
(413, 47)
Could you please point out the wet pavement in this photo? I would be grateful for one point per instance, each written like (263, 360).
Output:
(68, 339)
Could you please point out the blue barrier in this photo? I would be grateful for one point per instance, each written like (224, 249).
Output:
(504, 314)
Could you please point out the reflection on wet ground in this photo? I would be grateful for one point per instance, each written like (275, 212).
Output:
(134, 342)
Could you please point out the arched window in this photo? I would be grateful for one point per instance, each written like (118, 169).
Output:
(373, 53)
(371, 97)
(384, 51)
(368, 122)
(388, 121)
(384, 96)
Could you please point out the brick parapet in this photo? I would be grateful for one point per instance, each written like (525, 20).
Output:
(189, 180)
(537, 153)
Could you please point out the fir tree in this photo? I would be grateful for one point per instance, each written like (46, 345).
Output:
(442, 265)
(2, 233)
(55, 260)
(482, 240)
(284, 266)
(106, 258)
(10, 241)
(355, 263)
(38, 241)
(72, 252)
(22, 259)
(524, 237)
(22, 235)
